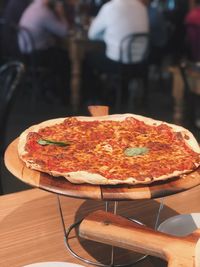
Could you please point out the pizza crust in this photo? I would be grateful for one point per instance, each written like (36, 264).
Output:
(81, 177)
(93, 178)
(97, 179)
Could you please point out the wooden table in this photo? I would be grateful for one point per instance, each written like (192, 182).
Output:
(178, 95)
(78, 47)
(178, 91)
(30, 228)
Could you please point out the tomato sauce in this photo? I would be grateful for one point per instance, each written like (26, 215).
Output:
(98, 147)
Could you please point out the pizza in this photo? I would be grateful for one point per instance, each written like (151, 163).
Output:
(112, 149)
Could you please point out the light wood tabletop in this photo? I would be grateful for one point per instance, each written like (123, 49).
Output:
(31, 230)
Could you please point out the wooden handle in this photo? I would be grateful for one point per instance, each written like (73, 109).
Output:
(98, 110)
(115, 230)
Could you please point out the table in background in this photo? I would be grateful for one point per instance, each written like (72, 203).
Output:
(192, 75)
(178, 94)
(78, 46)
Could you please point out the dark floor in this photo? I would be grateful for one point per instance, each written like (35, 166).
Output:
(160, 106)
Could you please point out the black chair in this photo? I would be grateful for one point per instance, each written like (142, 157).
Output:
(8, 41)
(132, 66)
(11, 74)
(43, 79)
(12, 38)
(34, 72)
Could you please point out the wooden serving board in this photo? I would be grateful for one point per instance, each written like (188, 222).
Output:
(115, 230)
(60, 185)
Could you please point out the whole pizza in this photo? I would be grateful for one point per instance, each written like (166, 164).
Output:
(112, 149)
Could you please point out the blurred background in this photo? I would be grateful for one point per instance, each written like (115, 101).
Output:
(64, 48)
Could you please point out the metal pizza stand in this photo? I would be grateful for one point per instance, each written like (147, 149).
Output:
(107, 193)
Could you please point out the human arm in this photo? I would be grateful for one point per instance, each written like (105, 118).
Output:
(54, 21)
(98, 25)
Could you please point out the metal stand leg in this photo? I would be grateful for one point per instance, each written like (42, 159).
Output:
(114, 212)
(68, 230)
(112, 248)
(158, 215)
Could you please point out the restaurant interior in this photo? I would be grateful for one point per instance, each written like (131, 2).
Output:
(49, 223)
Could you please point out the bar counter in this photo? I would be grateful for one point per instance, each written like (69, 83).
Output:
(31, 230)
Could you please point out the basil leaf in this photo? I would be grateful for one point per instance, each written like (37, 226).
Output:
(45, 142)
(135, 151)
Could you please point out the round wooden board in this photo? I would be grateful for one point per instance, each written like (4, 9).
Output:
(60, 185)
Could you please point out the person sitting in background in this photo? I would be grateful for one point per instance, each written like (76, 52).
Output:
(46, 22)
(192, 24)
(115, 20)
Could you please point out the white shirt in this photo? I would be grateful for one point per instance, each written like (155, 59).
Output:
(43, 26)
(115, 20)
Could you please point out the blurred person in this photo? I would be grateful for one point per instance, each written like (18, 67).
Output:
(193, 16)
(115, 20)
(192, 24)
(47, 24)
(46, 21)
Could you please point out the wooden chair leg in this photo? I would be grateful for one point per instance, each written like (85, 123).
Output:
(118, 99)
(145, 90)
(134, 88)
(190, 105)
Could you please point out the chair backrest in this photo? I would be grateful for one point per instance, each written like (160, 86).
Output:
(193, 41)
(25, 39)
(134, 48)
(26, 43)
(10, 76)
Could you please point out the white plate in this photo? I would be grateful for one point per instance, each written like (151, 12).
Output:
(181, 225)
(53, 264)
